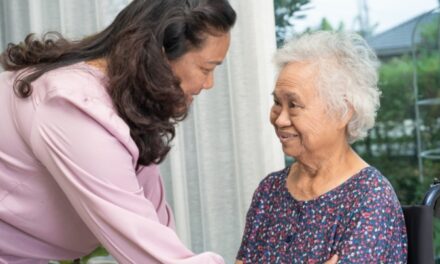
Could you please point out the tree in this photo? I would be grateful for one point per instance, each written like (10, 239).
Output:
(286, 11)
(362, 20)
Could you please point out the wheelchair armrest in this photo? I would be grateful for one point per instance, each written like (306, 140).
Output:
(432, 197)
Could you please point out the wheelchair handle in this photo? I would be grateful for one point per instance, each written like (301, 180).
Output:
(432, 195)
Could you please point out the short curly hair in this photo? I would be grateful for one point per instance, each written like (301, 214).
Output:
(347, 75)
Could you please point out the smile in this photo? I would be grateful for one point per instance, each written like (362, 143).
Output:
(285, 136)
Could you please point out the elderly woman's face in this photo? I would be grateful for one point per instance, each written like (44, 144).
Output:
(299, 114)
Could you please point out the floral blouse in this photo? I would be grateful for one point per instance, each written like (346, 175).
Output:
(360, 220)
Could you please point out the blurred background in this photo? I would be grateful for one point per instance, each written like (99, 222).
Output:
(226, 145)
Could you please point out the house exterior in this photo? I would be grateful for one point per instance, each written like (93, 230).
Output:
(399, 39)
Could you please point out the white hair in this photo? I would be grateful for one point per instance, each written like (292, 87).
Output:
(347, 75)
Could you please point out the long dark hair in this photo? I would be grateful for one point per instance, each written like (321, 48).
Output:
(137, 46)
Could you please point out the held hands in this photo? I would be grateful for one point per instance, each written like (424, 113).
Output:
(332, 260)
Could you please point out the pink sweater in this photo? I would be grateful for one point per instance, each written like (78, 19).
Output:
(68, 180)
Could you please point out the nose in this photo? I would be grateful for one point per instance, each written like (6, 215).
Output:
(283, 119)
(209, 81)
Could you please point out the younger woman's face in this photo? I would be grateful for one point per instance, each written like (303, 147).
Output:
(195, 69)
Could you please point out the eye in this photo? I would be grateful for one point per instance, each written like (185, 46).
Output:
(276, 102)
(292, 105)
(206, 71)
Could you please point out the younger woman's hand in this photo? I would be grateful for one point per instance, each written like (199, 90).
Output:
(332, 260)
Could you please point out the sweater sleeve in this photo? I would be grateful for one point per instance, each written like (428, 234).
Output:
(82, 149)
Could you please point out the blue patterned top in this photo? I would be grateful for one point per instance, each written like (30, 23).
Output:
(360, 220)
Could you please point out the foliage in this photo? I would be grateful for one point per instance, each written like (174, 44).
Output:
(286, 11)
(99, 251)
(397, 155)
(391, 146)
(325, 25)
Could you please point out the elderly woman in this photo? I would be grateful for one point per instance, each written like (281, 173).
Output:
(329, 202)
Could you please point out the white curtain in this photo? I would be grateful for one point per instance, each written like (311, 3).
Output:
(225, 146)
(73, 18)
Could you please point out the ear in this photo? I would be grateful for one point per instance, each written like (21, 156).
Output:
(348, 115)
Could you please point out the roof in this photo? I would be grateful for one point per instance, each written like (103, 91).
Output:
(398, 40)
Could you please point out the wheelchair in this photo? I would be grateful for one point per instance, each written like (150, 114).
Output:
(419, 221)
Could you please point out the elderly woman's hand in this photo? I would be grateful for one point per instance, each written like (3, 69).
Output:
(332, 260)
